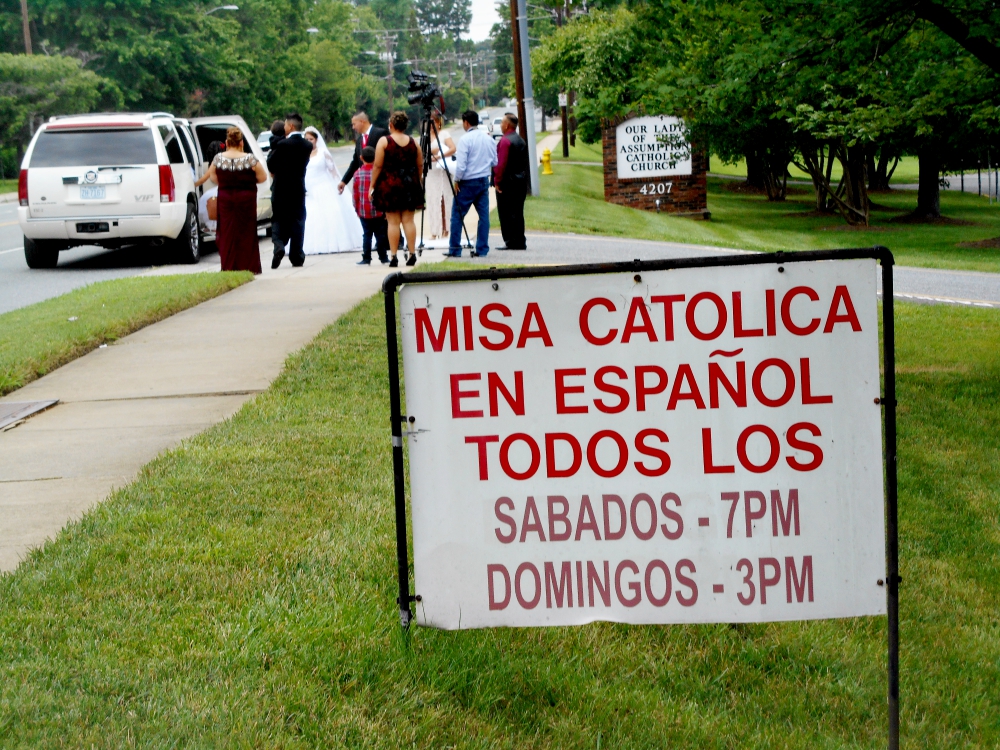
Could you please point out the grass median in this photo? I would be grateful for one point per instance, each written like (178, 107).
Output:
(572, 200)
(38, 338)
(242, 593)
(907, 171)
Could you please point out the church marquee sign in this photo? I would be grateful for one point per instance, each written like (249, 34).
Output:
(649, 164)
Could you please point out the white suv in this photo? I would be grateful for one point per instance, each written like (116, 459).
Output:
(119, 179)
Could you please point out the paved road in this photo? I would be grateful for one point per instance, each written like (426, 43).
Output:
(20, 286)
(929, 286)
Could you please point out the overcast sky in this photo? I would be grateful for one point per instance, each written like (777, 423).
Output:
(484, 15)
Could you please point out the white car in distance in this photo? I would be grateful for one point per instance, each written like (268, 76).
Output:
(119, 179)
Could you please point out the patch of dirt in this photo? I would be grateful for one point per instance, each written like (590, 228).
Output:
(939, 221)
(814, 214)
(993, 242)
(858, 228)
(739, 186)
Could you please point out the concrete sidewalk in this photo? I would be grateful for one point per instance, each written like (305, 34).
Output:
(120, 406)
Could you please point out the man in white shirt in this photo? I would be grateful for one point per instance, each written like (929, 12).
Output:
(474, 161)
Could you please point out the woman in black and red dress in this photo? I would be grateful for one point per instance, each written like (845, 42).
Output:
(237, 174)
(396, 184)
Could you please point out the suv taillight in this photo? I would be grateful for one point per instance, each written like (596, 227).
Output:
(22, 188)
(167, 189)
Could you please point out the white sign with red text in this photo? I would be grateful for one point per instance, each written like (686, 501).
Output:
(692, 445)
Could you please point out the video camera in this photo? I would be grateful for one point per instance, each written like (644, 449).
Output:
(423, 91)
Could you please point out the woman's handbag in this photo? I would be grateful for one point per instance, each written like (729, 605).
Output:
(212, 207)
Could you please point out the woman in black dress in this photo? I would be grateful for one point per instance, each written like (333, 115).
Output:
(396, 184)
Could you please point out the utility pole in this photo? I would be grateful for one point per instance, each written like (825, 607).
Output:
(518, 78)
(390, 43)
(572, 118)
(529, 96)
(27, 28)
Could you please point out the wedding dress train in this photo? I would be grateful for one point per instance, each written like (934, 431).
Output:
(332, 225)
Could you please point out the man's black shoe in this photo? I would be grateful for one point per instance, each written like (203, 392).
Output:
(412, 260)
(364, 263)
(276, 260)
(475, 254)
(394, 262)
(449, 254)
(383, 261)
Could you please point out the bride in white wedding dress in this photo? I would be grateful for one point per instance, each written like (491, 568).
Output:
(332, 225)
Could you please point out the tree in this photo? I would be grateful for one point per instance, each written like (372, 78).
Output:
(32, 88)
(338, 86)
(602, 56)
(502, 44)
(781, 80)
(448, 18)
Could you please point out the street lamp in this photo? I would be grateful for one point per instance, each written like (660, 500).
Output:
(222, 7)
(313, 30)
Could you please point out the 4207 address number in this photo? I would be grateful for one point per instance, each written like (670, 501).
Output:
(656, 188)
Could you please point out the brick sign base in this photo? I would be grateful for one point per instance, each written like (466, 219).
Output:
(682, 195)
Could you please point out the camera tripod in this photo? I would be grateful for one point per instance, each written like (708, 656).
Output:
(425, 147)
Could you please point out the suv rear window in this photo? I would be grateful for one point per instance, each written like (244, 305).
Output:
(93, 148)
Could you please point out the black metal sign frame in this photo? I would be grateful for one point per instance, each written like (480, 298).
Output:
(881, 254)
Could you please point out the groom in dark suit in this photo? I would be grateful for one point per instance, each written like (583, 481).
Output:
(367, 135)
(287, 164)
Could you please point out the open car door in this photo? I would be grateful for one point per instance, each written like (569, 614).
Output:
(209, 129)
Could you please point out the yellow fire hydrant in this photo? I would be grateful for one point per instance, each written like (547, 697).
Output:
(547, 162)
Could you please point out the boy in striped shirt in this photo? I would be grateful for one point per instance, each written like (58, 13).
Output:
(373, 222)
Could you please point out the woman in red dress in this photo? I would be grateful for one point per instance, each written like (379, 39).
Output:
(237, 174)
(396, 184)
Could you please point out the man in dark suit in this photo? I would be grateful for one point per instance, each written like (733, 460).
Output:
(367, 135)
(287, 164)
(510, 180)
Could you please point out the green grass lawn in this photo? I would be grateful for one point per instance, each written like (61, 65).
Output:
(580, 152)
(907, 171)
(37, 339)
(241, 593)
(572, 200)
(8, 186)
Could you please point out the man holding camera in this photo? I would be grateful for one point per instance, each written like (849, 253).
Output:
(510, 179)
(474, 161)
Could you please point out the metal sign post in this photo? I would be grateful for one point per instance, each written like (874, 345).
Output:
(563, 107)
(463, 546)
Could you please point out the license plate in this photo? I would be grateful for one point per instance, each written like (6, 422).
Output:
(92, 192)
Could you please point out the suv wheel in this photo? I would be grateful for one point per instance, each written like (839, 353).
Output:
(188, 243)
(41, 253)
